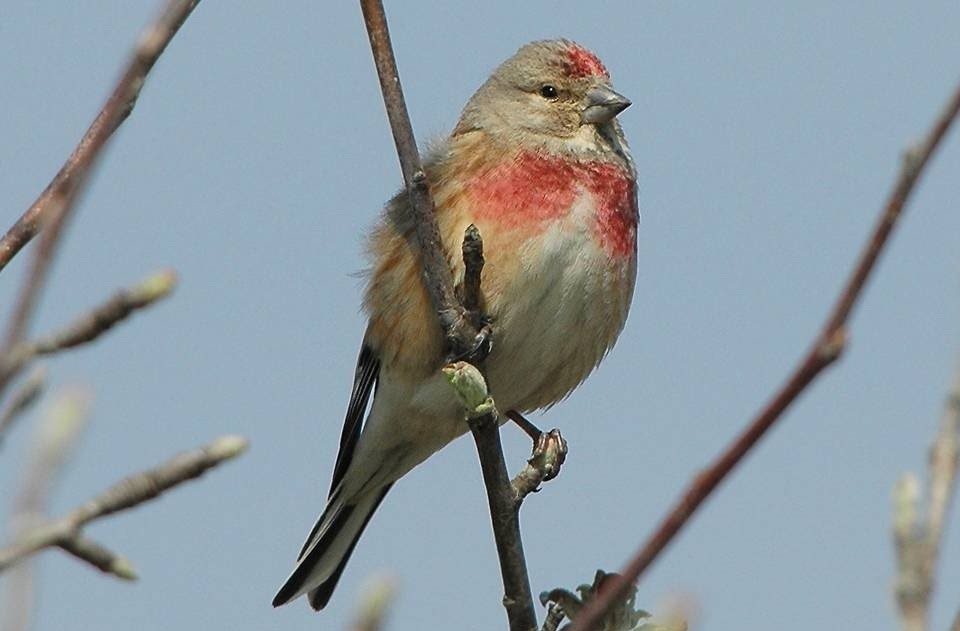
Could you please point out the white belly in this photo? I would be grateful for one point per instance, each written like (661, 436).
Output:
(560, 316)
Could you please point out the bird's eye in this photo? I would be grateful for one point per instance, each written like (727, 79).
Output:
(548, 92)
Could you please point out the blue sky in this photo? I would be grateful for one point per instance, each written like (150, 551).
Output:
(766, 138)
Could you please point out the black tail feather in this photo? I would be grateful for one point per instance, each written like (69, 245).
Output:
(320, 595)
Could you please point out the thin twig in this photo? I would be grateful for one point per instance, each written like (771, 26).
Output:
(114, 112)
(909, 588)
(826, 349)
(94, 323)
(55, 205)
(60, 426)
(461, 334)
(99, 556)
(473, 262)
(917, 541)
(942, 474)
(125, 494)
(23, 398)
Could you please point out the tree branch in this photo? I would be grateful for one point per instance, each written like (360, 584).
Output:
(436, 272)
(55, 205)
(827, 347)
(114, 112)
(917, 541)
(125, 494)
(505, 515)
(92, 324)
(462, 335)
(99, 556)
(60, 426)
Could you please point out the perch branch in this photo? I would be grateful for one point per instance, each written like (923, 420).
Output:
(125, 494)
(826, 348)
(114, 112)
(505, 515)
(436, 272)
(55, 205)
(461, 334)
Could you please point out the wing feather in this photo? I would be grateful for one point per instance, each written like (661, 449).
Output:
(364, 380)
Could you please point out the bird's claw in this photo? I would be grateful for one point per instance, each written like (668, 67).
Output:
(549, 452)
(482, 345)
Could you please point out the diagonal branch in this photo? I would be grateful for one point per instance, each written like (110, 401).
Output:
(826, 349)
(92, 324)
(114, 112)
(55, 205)
(462, 336)
(127, 493)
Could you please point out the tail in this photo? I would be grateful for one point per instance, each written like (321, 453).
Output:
(327, 550)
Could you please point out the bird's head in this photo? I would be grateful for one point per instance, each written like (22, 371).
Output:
(551, 90)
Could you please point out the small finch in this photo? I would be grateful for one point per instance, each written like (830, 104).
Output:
(539, 164)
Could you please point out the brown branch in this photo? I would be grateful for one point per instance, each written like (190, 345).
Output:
(55, 205)
(125, 494)
(114, 112)
(436, 272)
(101, 319)
(505, 515)
(917, 541)
(461, 333)
(92, 324)
(826, 348)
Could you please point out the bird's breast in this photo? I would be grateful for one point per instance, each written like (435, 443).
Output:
(560, 243)
(532, 192)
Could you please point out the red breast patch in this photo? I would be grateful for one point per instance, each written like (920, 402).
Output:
(533, 189)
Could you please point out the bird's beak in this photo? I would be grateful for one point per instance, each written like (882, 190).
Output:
(602, 105)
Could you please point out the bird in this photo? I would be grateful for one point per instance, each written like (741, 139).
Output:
(539, 164)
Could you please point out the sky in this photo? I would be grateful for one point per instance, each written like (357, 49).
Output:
(766, 139)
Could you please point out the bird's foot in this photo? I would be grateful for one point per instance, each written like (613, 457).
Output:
(482, 345)
(548, 454)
